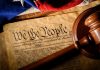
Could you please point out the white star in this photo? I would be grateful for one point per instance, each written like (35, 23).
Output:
(21, 1)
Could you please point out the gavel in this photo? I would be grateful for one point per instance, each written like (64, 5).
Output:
(88, 44)
(91, 42)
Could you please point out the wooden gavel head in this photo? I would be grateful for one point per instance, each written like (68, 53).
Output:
(93, 22)
(86, 32)
(92, 40)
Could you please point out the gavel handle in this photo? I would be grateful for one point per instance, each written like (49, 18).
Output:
(50, 58)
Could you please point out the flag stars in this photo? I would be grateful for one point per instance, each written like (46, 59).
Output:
(21, 1)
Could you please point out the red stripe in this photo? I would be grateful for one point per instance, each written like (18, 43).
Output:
(47, 7)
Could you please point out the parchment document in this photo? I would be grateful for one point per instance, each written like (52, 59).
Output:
(34, 39)
(29, 40)
(4, 64)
